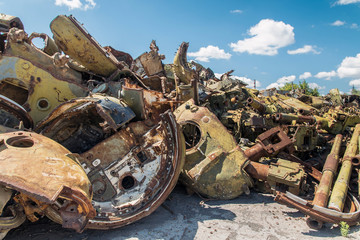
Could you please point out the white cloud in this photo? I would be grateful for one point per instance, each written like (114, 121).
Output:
(282, 81)
(236, 11)
(350, 67)
(205, 53)
(326, 75)
(355, 83)
(346, 2)
(354, 26)
(266, 38)
(286, 79)
(305, 49)
(248, 81)
(76, 4)
(305, 75)
(274, 85)
(338, 23)
(315, 85)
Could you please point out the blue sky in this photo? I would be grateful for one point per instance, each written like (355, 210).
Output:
(273, 42)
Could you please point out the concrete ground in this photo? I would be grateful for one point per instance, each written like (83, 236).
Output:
(256, 216)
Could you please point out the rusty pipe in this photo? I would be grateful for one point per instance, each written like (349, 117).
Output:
(358, 182)
(269, 144)
(18, 218)
(255, 152)
(261, 108)
(288, 118)
(323, 190)
(194, 85)
(257, 170)
(329, 170)
(338, 196)
(319, 213)
(355, 161)
(302, 111)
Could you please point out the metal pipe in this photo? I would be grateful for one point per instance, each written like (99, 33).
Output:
(355, 161)
(358, 182)
(255, 152)
(304, 112)
(269, 143)
(257, 170)
(329, 170)
(338, 196)
(194, 85)
(289, 118)
(323, 190)
(256, 105)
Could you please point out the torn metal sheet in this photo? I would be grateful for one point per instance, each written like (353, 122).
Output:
(81, 123)
(134, 171)
(147, 104)
(12, 114)
(7, 22)
(150, 62)
(28, 159)
(50, 46)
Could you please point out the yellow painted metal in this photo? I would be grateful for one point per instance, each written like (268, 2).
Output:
(180, 66)
(338, 196)
(8, 21)
(40, 59)
(337, 121)
(288, 173)
(76, 42)
(5, 196)
(336, 97)
(214, 165)
(46, 83)
(330, 168)
(45, 92)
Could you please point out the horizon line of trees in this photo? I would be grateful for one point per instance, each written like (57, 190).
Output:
(303, 86)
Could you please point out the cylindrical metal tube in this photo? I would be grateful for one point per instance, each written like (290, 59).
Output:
(329, 170)
(304, 111)
(355, 161)
(338, 196)
(256, 105)
(288, 118)
(255, 152)
(358, 182)
(194, 85)
(323, 191)
(257, 170)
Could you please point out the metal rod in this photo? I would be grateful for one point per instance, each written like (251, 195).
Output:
(323, 191)
(338, 195)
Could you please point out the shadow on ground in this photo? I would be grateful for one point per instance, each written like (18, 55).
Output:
(255, 216)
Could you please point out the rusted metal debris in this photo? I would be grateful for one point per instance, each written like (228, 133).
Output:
(104, 137)
(46, 175)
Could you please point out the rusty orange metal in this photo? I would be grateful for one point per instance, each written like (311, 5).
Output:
(28, 159)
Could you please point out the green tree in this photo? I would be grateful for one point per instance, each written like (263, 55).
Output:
(354, 91)
(304, 86)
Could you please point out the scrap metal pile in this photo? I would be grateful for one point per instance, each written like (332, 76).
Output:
(92, 138)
